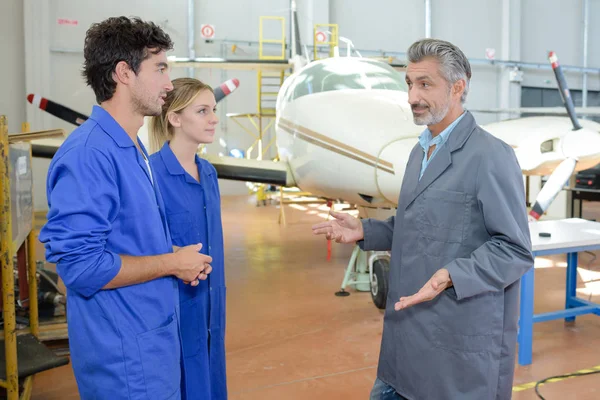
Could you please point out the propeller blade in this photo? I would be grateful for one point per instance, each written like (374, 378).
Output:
(563, 89)
(226, 88)
(56, 109)
(75, 118)
(555, 183)
(69, 115)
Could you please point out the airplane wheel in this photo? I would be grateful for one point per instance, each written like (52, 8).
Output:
(379, 284)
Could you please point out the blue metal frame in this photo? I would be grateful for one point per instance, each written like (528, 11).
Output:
(573, 305)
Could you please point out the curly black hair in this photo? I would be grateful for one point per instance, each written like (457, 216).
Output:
(119, 39)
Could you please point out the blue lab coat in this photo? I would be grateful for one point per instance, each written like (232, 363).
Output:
(124, 342)
(194, 216)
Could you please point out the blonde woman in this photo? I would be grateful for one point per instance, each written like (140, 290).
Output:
(191, 195)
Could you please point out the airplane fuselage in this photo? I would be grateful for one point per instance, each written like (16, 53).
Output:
(351, 140)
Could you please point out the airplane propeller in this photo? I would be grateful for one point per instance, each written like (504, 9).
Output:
(563, 172)
(69, 115)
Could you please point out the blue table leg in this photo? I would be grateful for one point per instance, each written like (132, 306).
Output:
(571, 287)
(526, 318)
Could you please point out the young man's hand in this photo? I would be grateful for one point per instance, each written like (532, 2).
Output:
(190, 265)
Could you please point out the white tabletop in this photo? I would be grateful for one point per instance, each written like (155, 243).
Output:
(565, 233)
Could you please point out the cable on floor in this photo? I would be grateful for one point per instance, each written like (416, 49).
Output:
(575, 374)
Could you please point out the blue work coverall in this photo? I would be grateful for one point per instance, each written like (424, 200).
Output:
(124, 342)
(194, 216)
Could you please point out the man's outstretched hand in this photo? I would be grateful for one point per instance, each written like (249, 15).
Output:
(343, 229)
(436, 285)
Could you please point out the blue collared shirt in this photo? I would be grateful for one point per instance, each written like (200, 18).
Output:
(426, 141)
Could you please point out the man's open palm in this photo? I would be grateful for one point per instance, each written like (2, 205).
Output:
(344, 228)
(436, 285)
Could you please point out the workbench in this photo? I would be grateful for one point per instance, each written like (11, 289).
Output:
(568, 236)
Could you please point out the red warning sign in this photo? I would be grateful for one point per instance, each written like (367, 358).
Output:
(320, 37)
(207, 31)
(65, 21)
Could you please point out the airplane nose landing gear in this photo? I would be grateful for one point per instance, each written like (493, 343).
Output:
(356, 273)
(379, 282)
(368, 271)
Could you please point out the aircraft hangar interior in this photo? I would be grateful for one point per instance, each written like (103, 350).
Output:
(300, 199)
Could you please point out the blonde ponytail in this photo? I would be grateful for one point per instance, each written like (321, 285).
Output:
(158, 132)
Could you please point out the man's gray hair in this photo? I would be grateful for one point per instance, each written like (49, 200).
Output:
(454, 64)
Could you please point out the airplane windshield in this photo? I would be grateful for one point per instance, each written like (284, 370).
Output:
(344, 73)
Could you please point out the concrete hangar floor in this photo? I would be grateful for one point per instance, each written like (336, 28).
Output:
(288, 336)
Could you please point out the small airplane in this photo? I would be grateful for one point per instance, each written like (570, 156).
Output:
(345, 130)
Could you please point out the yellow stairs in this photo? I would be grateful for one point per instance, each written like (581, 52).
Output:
(270, 81)
(269, 84)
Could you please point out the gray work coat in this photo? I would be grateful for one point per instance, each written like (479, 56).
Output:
(467, 214)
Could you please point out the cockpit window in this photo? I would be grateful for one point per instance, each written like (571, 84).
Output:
(547, 146)
(344, 73)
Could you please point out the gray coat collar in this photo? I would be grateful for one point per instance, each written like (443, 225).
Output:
(441, 161)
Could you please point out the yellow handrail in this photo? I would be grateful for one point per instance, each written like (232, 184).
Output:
(328, 30)
(6, 259)
(262, 40)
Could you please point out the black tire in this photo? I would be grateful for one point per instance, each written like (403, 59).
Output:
(379, 285)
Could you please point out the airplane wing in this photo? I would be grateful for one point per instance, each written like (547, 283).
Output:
(249, 170)
(231, 168)
(556, 111)
(256, 64)
(46, 148)
(258, 171)
(234, 64)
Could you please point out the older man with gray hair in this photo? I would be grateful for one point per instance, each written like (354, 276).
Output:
(459, 245)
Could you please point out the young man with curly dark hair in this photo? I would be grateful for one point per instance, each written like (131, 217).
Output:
(107, 230)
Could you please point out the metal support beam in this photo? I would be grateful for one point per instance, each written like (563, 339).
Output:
(509, 93)
(427, 18)
(586, 25)
(191, 35)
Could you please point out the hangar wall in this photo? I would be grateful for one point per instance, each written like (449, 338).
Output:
(52, 33)
(12, 74)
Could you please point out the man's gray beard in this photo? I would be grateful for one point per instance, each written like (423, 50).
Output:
(432, 117)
